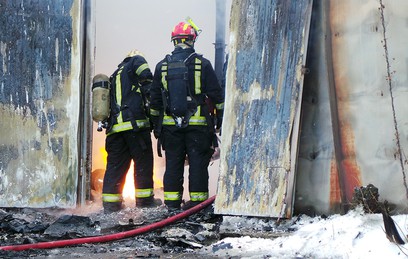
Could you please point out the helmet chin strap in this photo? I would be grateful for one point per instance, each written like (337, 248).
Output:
(191, 45)
(183, 44)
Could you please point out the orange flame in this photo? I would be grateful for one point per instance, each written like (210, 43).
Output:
(129, 187)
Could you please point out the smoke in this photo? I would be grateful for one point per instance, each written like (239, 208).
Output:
(148, 30)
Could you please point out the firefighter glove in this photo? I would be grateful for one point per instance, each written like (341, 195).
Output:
(156, 133)
(219, 116)
(154, 122)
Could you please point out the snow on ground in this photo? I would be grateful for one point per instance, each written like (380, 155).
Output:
(354, 235)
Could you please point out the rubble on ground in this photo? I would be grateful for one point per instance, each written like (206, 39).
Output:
(187, 237)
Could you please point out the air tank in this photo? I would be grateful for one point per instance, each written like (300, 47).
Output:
(100, 100)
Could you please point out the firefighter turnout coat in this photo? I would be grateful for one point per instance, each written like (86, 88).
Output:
(190, 136)
(128, 134)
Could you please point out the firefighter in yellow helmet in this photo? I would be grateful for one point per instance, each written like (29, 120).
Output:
(184, 84)
(128, 134)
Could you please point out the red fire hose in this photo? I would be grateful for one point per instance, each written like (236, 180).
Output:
(112, 237)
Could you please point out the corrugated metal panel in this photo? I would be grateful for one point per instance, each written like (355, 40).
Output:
(355, 123)
(264, 89)
(40, 51)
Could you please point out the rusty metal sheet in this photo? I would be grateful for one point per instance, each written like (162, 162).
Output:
(355, 121)
(40, 53)
(268, 42)
(317, 186)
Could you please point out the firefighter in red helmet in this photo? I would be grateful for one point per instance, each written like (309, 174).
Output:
(184, 84)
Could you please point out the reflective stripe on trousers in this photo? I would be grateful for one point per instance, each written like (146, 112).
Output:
(172, 196)
(143, 193)
(110, 197)
(198, 196)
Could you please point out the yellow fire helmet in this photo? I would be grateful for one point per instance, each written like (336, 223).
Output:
(134, 52)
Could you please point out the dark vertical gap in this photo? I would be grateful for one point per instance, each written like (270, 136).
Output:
(308, 84)
(334, 109)
(85, 124)
(308, 21)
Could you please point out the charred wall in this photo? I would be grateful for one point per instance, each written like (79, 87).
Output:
(40, 51)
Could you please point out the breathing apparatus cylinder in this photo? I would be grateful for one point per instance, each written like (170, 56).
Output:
(100, 100)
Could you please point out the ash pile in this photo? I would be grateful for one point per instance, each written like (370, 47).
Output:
(32, 226)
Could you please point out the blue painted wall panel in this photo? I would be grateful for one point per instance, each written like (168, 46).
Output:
(262, 108)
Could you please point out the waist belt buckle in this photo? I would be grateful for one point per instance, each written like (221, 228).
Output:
(179, 122)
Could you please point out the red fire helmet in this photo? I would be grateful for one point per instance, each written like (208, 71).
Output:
(183, 31)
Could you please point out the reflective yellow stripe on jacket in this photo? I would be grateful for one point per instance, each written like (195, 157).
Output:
(119, 93)
(154, 112)
(141, 68)
(123, 126)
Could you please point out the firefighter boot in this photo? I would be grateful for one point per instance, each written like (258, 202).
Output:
(149, 202)
(190, 204)
(110, 207)
(173, 206)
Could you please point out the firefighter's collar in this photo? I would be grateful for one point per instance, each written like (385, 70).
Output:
(183, 46)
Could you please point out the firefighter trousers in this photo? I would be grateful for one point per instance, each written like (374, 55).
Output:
(193, 142)
(122, 148)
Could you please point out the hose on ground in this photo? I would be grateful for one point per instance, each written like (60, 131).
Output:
(112, 237)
